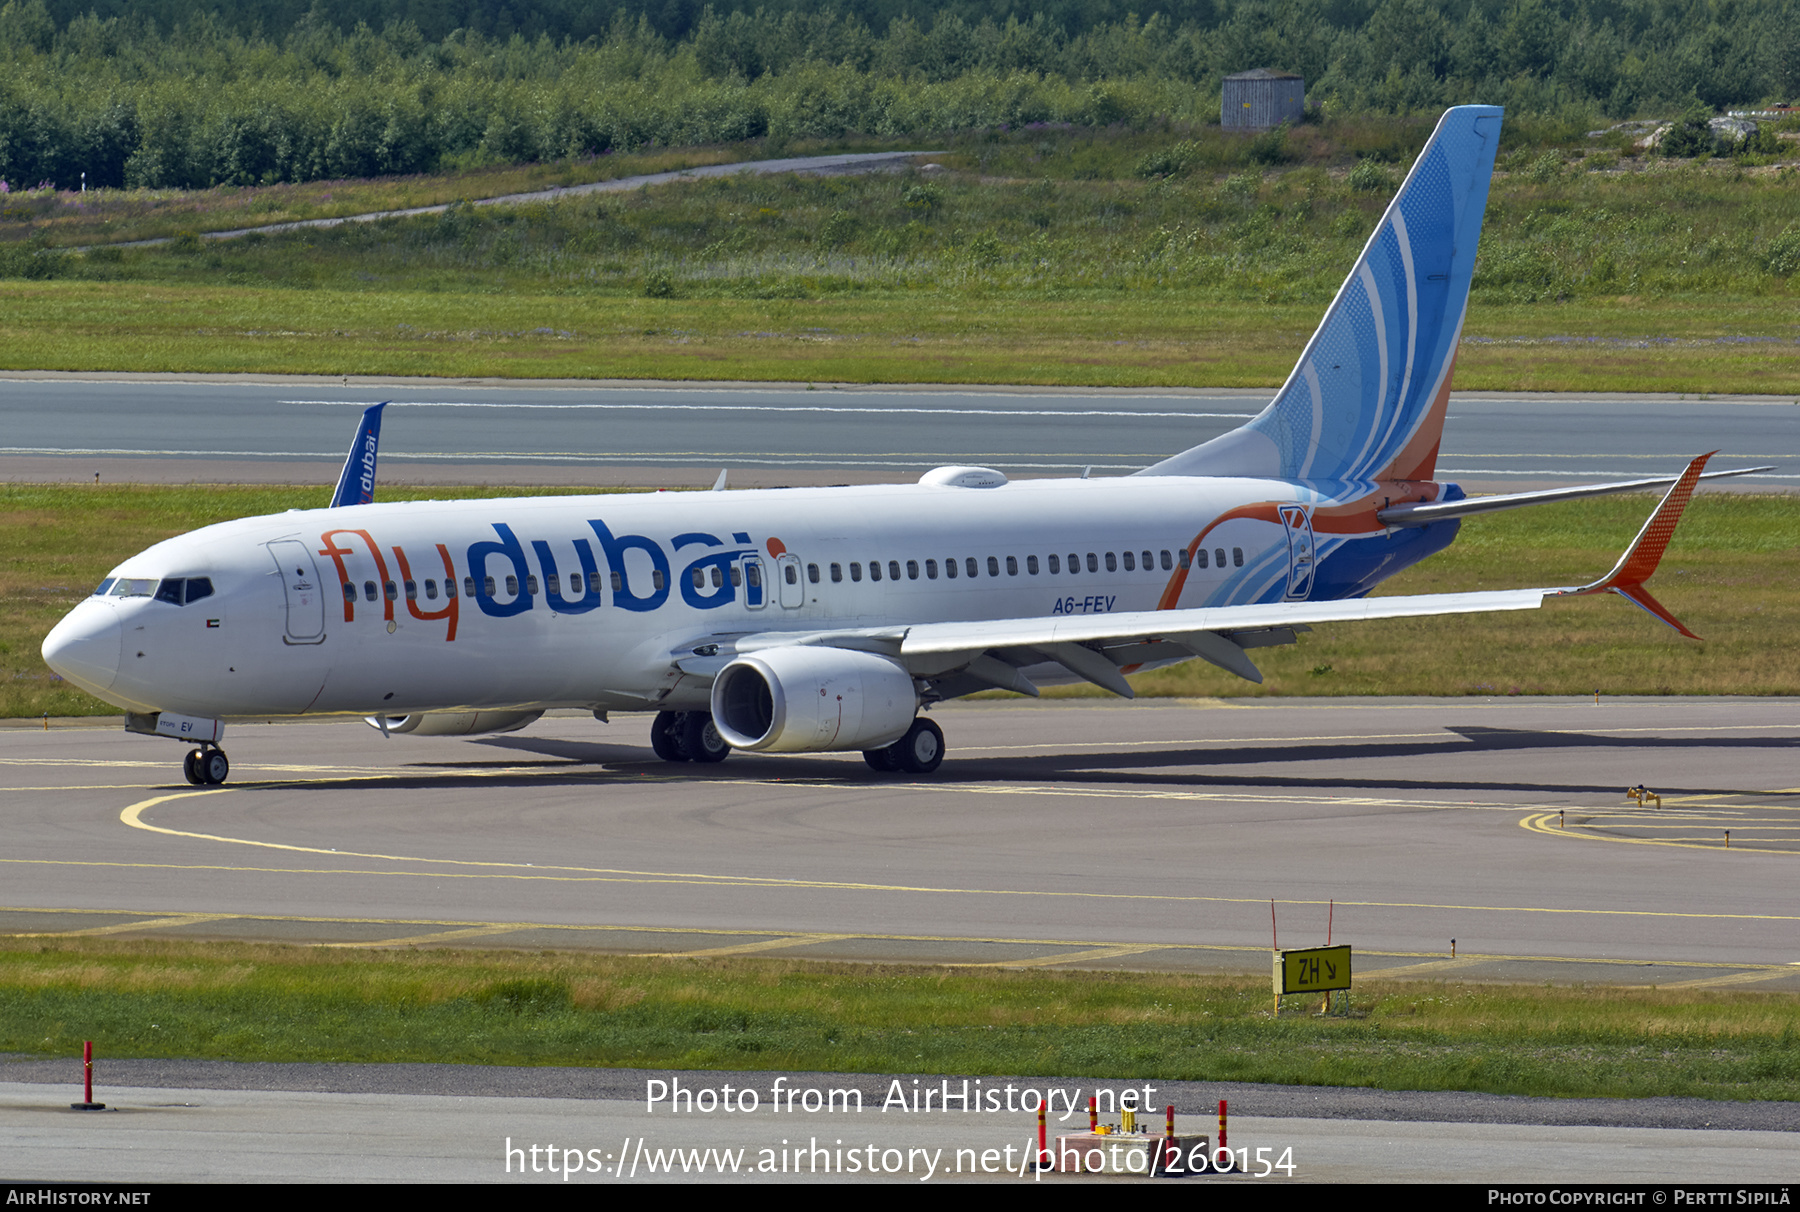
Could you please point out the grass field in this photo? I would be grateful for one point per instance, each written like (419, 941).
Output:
(267, 1003)
(1732, 574)
(1055, 256)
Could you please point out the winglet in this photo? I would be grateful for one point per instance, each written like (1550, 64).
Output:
(356, 483)
(1639, 562)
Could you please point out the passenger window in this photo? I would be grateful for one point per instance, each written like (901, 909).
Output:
(170, 591)
(837, 573)
(1031, 565)
(369, 590)
(970, 567)
(412, 591)
(950, 568)
(1055, 565)
(855, 572)
(1130, 565)
(488, 584)
(512, 587)
(874, 570)
(699, 578)
(893, 570)
(431, 589)
(349, 592)
(790, 574)
(737, 577)
(468, 588)
(1219, 556)
(1237, 557)
(718, 577)
(574, 585)
(1093, 562)
(1167, 563)
(1181, 558)
(1012, 566)
(912, 570)
(931, 570)
(596, 585)
(1200, 557)
(993, 566)
(1112, 562)
(1149, 564)
(531, 586)
(812, 573)
(1074, 563)
(752, 573)
(449, 587)
(392, 590)
(656, 580)
(618, 582)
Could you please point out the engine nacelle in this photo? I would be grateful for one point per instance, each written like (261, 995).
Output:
(455, 723)
(808, 699)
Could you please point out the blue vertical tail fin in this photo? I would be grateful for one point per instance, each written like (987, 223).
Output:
(356, 484)
(1367, 399)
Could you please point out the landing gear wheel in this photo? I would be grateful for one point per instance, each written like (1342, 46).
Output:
(881, 759)
(213, 766)
(921, 750)
(665, 736)
(190, 767)
(700, 740)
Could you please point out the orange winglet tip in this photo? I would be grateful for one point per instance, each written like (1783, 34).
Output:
(1640, 560)
(1638, 596)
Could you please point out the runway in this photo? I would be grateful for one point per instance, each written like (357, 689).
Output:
(230, 428)
(1062, 833)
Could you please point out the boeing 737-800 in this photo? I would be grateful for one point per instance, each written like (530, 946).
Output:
(809, 620)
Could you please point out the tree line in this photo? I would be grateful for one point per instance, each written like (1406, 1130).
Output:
(180, 94)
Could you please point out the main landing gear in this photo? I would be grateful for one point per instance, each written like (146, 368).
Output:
(687, 736)
(920, 751)
(206, 766)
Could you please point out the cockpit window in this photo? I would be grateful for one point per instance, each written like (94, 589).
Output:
(199, 587)
(104, 586)
(170, 590)
(133, 587)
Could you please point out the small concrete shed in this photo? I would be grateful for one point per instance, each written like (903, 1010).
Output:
(1260, 99)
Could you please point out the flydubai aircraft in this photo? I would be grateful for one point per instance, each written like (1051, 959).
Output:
(827, 619)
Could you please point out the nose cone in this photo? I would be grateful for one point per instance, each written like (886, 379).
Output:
(84, 647)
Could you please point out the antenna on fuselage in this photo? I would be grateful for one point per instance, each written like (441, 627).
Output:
(719, 484)
(356, 483)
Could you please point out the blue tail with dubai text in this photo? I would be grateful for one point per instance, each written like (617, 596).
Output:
(1366, 401)
(356, 484)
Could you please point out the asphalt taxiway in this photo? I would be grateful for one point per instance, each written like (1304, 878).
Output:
(1485, 839)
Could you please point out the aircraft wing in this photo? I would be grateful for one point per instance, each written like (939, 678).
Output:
(1102, 648)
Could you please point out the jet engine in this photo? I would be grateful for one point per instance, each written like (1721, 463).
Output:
(808, 699)
(455, 723)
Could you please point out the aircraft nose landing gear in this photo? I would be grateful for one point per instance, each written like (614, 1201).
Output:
(206, 766)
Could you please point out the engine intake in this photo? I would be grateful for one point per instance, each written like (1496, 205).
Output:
(808, 699)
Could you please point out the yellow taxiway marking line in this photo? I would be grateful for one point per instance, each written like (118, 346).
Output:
(772, 944)
(1443, 965)
(132, 815)
(1741, 978)
(156, 923)
(441, 936)
(1546, 823)
(1074, 957)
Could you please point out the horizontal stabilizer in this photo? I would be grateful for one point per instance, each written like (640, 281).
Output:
(1421, 515)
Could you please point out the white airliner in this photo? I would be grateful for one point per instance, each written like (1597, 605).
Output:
(810, 620)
